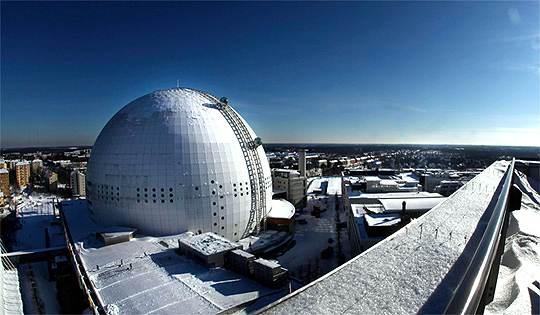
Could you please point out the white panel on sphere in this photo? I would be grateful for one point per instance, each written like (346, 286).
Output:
(168, 163)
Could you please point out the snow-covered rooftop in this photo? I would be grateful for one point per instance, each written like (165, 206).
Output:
(412, 204)
(209, 243)
(268, 263)
(281, 209)
(286, 170)
(406, 194)
(409, 266)
(332, 184)
(147, 275)
(382, 219)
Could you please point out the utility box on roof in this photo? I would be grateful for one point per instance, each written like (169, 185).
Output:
(268, 272)
(240, 261)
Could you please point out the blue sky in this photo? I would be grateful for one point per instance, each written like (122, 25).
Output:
(370, 72)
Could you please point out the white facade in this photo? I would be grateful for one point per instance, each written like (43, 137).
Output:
(169, 162)
(291, 182)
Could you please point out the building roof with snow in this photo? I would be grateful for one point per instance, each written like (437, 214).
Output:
(209, 243)
(382, 219)
(147, 275)
(412, 204)
(391, 195)
(281, 209)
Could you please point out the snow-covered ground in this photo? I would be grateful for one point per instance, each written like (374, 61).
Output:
(520, 267)
(312, 236)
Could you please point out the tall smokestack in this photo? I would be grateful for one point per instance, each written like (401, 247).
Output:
(302, 162)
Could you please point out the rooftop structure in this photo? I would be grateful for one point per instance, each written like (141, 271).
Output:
(382, 219)
(266, 241)
(281, 209)
(209, 248)
(179, 160)
(420, 205)
(392, 195)
(208, 243)
(281, 217)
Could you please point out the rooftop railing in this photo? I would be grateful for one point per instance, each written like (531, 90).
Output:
(447, 261)
(477, 285)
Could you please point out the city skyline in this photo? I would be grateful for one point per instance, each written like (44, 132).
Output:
(433, 73)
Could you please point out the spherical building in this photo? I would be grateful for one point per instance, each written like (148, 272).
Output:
(179, 160)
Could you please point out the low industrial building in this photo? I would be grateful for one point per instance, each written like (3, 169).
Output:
(448, 187)
(374, 216)
(445, 182)
(382, 181)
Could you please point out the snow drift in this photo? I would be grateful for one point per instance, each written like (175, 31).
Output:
(518, 288)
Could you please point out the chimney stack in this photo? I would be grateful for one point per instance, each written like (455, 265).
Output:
(302, 162)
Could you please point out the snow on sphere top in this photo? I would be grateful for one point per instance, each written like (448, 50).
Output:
(169, 162)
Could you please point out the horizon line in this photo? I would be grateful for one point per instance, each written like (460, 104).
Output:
(296, 144)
